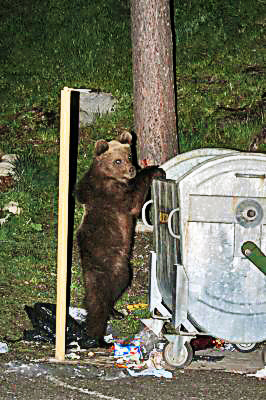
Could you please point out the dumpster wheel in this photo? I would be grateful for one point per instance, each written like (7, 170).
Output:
(245, 347)
(180, 360)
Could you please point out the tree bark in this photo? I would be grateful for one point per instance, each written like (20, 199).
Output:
(153, 76)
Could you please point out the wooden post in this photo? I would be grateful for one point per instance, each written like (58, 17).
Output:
(63, 224)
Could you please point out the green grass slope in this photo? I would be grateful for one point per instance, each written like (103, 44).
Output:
(46, 45)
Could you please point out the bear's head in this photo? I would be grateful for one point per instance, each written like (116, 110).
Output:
(113, 159)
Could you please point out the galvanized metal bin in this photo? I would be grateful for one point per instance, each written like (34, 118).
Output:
(211, 202)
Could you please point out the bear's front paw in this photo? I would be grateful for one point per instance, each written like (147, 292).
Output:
(159, 173)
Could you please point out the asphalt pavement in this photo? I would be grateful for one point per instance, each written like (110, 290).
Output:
(212, 375)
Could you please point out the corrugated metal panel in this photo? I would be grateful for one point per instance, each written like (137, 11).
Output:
(167, 247)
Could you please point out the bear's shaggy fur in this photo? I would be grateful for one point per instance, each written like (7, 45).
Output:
(112, 194)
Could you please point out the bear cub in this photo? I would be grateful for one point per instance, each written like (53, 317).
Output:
(112, 194)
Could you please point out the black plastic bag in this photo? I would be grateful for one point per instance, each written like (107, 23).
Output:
(43, 319)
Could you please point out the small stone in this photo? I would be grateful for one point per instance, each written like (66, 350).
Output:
(9, 158)
(6, 168)
(93, 104)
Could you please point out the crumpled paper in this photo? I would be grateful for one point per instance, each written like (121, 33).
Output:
(159, 373)
(261, 373)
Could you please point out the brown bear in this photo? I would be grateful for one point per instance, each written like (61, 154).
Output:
(112, 193)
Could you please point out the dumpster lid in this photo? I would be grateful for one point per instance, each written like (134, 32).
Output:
(184, 162)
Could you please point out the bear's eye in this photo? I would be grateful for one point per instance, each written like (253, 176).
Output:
(118, 161)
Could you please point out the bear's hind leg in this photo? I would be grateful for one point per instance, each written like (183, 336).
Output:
(98, 302)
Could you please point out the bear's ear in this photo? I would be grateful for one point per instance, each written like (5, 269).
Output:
(101, 146)
(125, 138)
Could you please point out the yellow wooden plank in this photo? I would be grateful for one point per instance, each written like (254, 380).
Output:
(63, 224)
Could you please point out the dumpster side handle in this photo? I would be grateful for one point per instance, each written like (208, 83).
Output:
(169, 222)
(143, 213)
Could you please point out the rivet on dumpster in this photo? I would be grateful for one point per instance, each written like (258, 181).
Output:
(207, 270)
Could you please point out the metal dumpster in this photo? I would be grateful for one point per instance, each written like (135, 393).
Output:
(211, 203)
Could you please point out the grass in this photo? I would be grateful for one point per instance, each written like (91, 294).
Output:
(220, 73)
(52, 44)
(46, 45)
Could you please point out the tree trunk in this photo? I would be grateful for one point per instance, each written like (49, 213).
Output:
(153, 76)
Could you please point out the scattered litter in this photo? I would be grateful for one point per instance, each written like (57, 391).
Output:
(131, 357)
(109, 338)
(229, 347)
(74, 346)
(29, 369)
(79, 314)
(43, 319)
(112, 374)
(260, 374)
(159, 373)
(73, 356)
(139, 306)
(32, 369)
(150, 340)
(3, 348)
(12, 207)
(155, 360)
(235, 371)
(128, 354)
(3, 220)
(219, 343)
(8, 210)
